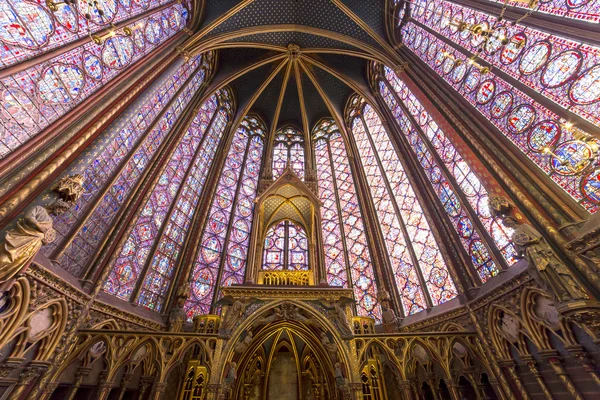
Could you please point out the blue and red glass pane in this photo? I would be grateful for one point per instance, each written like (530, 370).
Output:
(585, 10)
(335, 264)
(280, 159)
(341, 215)
(239, 237)
(128, 265)
(297, 159)
(536, 131)
(405, 273)
(565, 71)
(431, 263)
(274, 253)
(160, 272)
(34, 98)
(29, 28)
(127, 141)
(467, 181)
(463, 224)
(227, 233)
(297, 248)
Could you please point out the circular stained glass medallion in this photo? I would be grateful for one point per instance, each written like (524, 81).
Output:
(117, 52)
(432, 51)
(465, 227)
(472, 80)
(543, 135)
(513, 49)
(501, 105)
(586, 89)
(448, 65)
(571, 157)
(61, 83)
(521, 118)
(561, 68)
(459, 73)
(92, 66)
(590, 186)
(486, 91)
(534, 58)
(211, 249)
(153, 31)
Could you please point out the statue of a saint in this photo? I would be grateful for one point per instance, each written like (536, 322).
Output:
(544, 265)
(23, 242)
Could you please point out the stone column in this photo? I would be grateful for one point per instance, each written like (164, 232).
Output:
(431, 381)
(556, 365)
(80, 375)
(530, 362)
(127, 377)
(509, 367)
(406, 390)
(26, 377)
(158, 391)
(145, 383)
(453, 389)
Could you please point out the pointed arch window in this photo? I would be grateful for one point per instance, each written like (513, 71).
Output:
(288, 149)
(286, 247)
(347, 254)
(39, 95)
(462, 194)
(142, 268)
(223, 247)
(421, 274)
(124, 151)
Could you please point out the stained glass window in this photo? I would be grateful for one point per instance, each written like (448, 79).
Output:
(125, 149)
(39, 95)
(420, 271)
(347, 256)
(449, 175)
(539, 133)
(181, 181)
(223, 249)
(563, 70)
(286, 247)
(585, 10)
(288, 149)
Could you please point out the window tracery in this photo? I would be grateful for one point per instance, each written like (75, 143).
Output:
(347, 255)
(180, 184)
(223, 247)
(286, 247)
(288, 149)
(566, 154)
(127, 148)
(39, 95)
(449, 176)
(421, 274)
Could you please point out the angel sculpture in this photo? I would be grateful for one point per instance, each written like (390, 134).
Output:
(244, 344)
(234, 314)
(231, 376)
(330, 347)
(336, 313)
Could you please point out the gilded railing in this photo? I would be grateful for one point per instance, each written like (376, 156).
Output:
(285, 278)
(363, 325)
(206, 323)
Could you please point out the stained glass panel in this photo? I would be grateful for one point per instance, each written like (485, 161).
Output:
(288, 149)
(129, 144)
(37, 96)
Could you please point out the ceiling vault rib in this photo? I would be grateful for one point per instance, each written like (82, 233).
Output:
(200, 34)
(275, 121)
(334, 114)
(195, 47)
(348, 82)
(305, 126)
(365, 27)
(259, 91)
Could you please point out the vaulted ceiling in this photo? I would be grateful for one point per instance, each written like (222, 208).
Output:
(294, 61)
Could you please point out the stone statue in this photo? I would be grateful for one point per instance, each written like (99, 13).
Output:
(336, 313)
(23, 242)
(544, 265)
(244, 344)
(340, 381)
(256, 380)
(330, 347)
(177, 314)
(234, 314)
(231, 376)
(391, 322)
